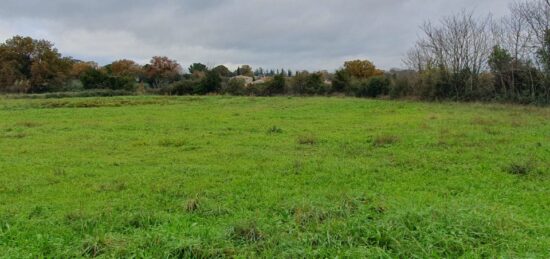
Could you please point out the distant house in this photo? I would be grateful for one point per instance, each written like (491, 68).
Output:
(247, 79)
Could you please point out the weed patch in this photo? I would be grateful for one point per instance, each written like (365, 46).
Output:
(192, 205)
(482, 121)
(16, 135)
(306, 215)
(140, 220)
(307, 140)
(28, 124)
(172, 143)
(274, 130)
(521, 169)
(36, 212)
(197, 251)
(115, 186)
(98, 246)
(247, 232)
(385, 140)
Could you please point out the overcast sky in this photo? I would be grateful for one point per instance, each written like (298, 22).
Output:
(296, 34)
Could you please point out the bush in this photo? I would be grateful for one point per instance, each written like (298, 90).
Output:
(276, 86)
(432, 84)
(184, 87)
(73, 86)
(372, 87)
(377, 86)
(341, 81)
(96, 79)
(210, 84)
(257, 89)
(400, 86)
(235, 86)
(305, 83)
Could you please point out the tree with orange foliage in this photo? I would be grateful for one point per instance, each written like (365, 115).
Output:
(80, 67)
(362, 69)
(125, 68)
(161, 71)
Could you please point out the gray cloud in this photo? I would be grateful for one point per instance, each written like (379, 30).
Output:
(297, 34)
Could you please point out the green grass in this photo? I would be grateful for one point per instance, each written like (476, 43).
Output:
(272, 177)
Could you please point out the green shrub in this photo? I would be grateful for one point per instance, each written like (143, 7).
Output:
(372, 87)
(304, 83)
(184, 87)
(400, 87)
(341, 81)
(235, 86)
(276, 86)
(257, 89)
(96, 79)
(209, 84)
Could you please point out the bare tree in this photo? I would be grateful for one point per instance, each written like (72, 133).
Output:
(460, 42)
(536, 15)
(419, 58)
(459, 45)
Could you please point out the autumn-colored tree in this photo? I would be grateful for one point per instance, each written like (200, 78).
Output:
(162, 70)
(9, 69)
(125, 68)
(79, 68)
(362, 69)
(32, 65)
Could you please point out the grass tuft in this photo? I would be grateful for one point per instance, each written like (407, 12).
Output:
(115, 186)
(192, 205)
(142, 220)
(307, 140)
(306, 215)
(172, 143)
(385, 140)
(197, 251)
(522, 169)
(28, 124)
(94, 247)
(274, 130)
(482, 121)
(16, 135)
(247, 232)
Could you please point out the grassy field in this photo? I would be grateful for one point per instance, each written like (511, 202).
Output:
(272, 177)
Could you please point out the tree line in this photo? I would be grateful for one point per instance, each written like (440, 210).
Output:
(462, 57)
(35, 66)
(468, 58)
